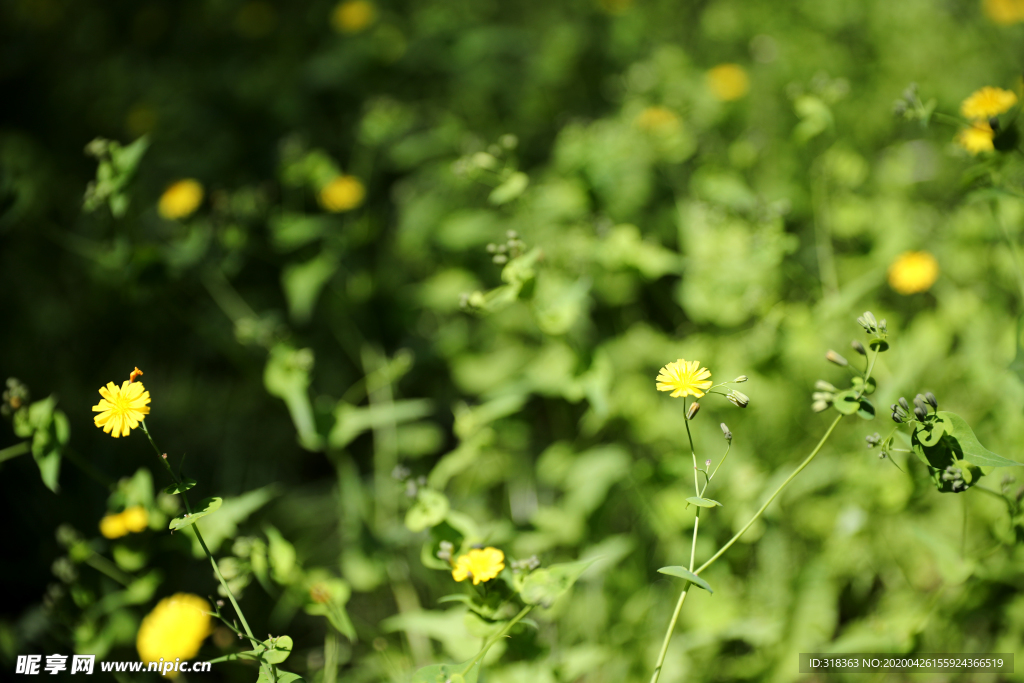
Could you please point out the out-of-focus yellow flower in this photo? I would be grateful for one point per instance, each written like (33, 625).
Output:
(479, 565)
(615, 6)
(683, 378)
(657, 120)
(977, 138)
(352, 16)
(1003, 12)
(987, 102)
(121, 408)
(913, 272)
(344, 193)
(728, 82)
(180, 199)
(132, 520)
(174, 629)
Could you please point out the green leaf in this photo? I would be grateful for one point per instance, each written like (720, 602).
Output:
(286, 376)
(879, 345)
(185, 485)
(350, 421)
(282, 556)
(865, 409)
(703, 502)
(684, 573)
(973, 451)
(303, 282)
(544, 586)
(869, 388)
(203, 508)
(279, 677)
(514, 186)
(846, 402)
(930, 433)
(276, 650)
(429, 510)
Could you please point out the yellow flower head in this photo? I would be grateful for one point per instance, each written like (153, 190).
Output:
(479, 565)
(175, 628)
(913, 272)
(122, 407)
(728, 82)
(1004, 12)
(987, 102)
(352, 16)
(180, 199)
(684, 379)
(657, 120)
(978, 138)
(132, 520)
(344, 193)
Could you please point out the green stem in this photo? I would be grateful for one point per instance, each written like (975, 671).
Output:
(15, 450)
(498, 636)
(757, 515)
(1013, 252)
(195, 527)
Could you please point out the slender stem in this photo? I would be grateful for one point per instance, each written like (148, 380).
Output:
(757, 515)
(822, 235)
(15, 450)
(1013, 252)
(693, 554)
(195, 527)
(498, 636)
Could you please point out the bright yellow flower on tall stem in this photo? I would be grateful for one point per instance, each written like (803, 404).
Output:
(913, 272)
(987, 102)
(683, 378)
(121, 408)
(479, 565)
(174, 629)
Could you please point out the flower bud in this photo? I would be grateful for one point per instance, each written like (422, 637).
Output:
(903, 404)
(881, 455)
(692, 412)
(858, 347)
(825, 396)
(834, 357)
(738, 399)
(819, 406)
(822, 385)
(873, 439)
(741, 378)
(725, 432)
(707, 463)
(881, 326)
(920, 412)
(929, 397)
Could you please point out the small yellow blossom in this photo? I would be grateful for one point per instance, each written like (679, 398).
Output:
(479, 565)
(987, 102)
(121, 408)
(913, 272)
(728, 82)
(344, 193)
(978, 138)
(657, 120)
(352, 16)
(174, 629)
(132, 520)
(683, 378)
(181, 199)
(1003, 12)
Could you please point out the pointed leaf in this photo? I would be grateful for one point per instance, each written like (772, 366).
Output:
(684, 573)
(205, 507)
(973, 451)
(185, 485)
(703, 502)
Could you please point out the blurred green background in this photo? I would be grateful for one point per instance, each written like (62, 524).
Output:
(743, 216)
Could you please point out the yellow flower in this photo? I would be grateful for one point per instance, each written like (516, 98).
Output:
(913, 272)
(479, 565)
(987, 102)
(684, 379)
(977, 138)
(1004, 12)
(728, 82)
(180, 199)
(132, 520)
(174, 629)
(344, 193)
(352, 16)
(657, 119)
(121, 408)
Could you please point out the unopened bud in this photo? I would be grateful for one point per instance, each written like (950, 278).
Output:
(834, 357)
(707, 463)
(825, 396)
(692, 412)
(882, 455)
(725, 432)
(738, 399)
(881, 326)
(929, 397)
(819, 406)
(741, 378)
(903, 403)
(858, 347)
(822, 385)
(920, 412)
